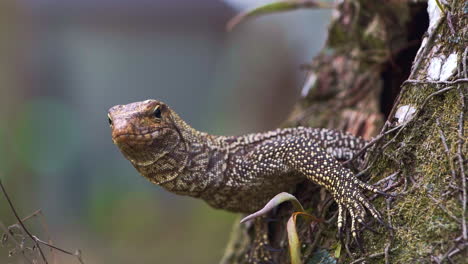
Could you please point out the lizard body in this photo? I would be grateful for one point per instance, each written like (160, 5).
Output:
(238, 173)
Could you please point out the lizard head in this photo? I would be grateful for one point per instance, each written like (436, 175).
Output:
(144, 131)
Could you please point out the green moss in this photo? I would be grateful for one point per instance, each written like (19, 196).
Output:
(422, 228)
(337, 37)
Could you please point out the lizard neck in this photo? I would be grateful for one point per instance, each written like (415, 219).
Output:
(189, 166)
(206, 161)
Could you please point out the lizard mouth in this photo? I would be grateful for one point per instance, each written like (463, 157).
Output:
(134, 138)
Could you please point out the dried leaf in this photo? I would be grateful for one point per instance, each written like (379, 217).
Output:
(274, 202)
(293, 238)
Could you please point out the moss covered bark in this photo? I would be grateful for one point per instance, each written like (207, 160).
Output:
(369, 53)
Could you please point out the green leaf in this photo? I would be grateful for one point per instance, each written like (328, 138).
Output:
(338, 250)
(280, 6)
(46, 136)
(274, 202)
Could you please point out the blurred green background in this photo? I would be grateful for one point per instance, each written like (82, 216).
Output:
(63, 63)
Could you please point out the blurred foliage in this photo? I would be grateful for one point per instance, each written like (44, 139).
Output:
(3, 155)
(139, 221)
(46, 135)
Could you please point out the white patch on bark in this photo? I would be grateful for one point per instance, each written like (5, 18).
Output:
(308, 84)
(449, 67)
(435, 14)
(404, 113)
(433, 72)
(335, 14)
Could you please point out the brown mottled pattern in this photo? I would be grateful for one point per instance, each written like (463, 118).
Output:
(237, 173)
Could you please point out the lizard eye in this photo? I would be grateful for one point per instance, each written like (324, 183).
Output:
(109, 119)
(157, 112)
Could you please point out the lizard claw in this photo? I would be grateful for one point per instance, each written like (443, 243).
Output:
(354, 233)
(357, 205)
(370, 187)
(341, 221)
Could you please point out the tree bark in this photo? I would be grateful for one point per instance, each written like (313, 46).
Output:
(358, 84)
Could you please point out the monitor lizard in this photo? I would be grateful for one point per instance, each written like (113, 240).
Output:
(239, 173)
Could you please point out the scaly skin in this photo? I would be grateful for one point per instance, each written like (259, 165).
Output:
(238, 173)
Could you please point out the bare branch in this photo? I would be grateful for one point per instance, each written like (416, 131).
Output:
(21, 222)
(463, 80)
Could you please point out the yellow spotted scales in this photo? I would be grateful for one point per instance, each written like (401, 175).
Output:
(238, 173)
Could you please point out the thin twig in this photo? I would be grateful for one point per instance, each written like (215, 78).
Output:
(461, 162)
(389, 177)
(456, 250)
(375, 255)
(463, 80)
(326, 205)
(59, 249)
(465, 69)
(443, 257)
(450, 23)
(370, 144)
(387, 247)
(346, 246)
(315, 241)
(388, 201)
(21, 222)
(18, 244)
(35, 213)
(44, 226)
(447, 151)
(37, 241)
(452, 251)
(444, 209)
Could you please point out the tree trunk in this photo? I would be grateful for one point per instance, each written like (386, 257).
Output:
(357, 83)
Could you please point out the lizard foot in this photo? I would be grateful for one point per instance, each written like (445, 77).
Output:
(356, 204)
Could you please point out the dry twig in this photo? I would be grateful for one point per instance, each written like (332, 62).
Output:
(446, 148)
(37, 242)
(21, 222)
(461, 162)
